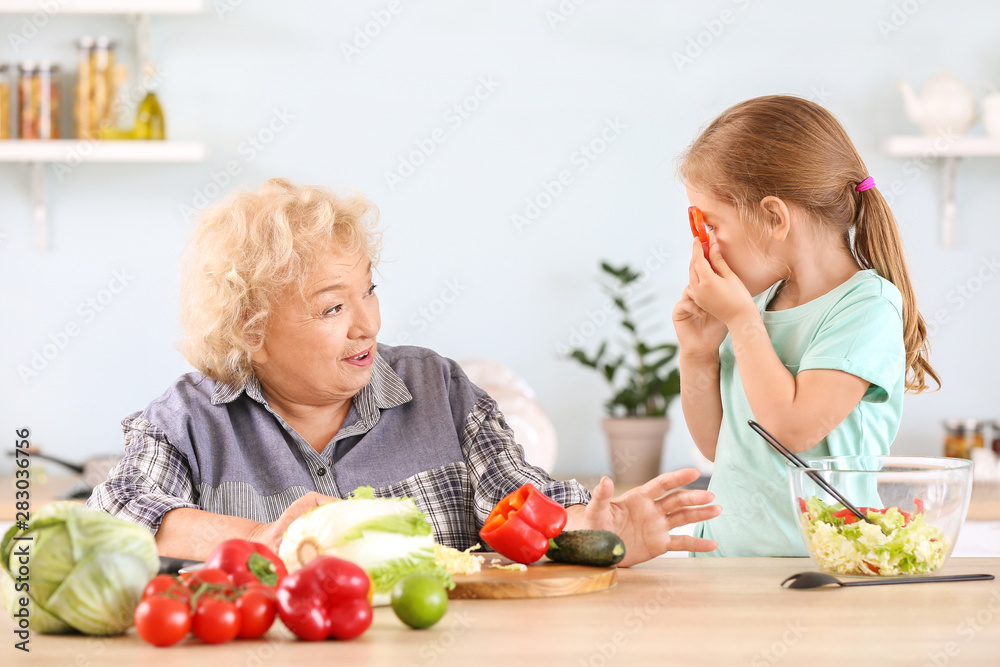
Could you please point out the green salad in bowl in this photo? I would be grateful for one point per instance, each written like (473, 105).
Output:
(915, 507)
(896, 542)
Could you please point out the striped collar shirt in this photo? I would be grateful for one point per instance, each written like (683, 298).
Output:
(419, 428)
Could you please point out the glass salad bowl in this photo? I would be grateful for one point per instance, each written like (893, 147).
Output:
(916, 505)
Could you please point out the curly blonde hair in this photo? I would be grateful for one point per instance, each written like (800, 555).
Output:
(249, 249)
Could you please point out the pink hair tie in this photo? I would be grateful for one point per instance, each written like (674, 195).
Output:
(866, 184)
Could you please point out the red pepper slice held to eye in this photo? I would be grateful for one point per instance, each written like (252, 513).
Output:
(697, 220)
(520, 525)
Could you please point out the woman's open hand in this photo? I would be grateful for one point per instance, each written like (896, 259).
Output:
(644, 516)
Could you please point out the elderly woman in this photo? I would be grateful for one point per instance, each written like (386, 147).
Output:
(297, 404)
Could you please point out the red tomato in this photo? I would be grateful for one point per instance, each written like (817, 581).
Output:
(166, 583)
(162, 621)
(205, 576)
(257, 610)
(270, 591)
(215, 620)
(211, 581)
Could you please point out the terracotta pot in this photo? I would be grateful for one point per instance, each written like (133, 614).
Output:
(636, 445)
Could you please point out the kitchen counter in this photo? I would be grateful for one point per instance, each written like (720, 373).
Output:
(667, 611)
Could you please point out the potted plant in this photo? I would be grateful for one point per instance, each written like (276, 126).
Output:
(644, 380)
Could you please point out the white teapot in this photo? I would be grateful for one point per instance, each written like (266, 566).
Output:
(945, 104)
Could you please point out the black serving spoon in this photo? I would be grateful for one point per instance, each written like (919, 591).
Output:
(820, 579)
(814, 475)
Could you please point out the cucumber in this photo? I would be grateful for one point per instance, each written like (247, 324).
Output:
(600, 548)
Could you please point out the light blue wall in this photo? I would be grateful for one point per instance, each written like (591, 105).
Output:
(522, 292)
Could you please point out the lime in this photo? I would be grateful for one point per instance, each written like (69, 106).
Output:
(419, 600)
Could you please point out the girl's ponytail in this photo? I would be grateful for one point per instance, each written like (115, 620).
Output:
(877, 245)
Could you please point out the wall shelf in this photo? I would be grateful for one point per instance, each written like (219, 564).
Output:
(71, 152)
(74, 151)
(949, 150)
(108, 7)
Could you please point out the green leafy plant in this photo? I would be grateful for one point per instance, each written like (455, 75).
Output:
(643, 379)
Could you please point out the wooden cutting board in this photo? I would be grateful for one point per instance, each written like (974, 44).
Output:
(541, 580)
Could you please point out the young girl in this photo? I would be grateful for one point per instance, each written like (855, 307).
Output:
(802, 318)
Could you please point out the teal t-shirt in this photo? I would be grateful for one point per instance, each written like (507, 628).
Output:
(857, 327)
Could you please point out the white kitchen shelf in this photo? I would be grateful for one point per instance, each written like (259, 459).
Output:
(71, 152)
(74, 151)
(949, 150)
(107, 7)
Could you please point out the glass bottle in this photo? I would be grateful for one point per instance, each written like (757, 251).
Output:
(38, 100)
(961, 435)
(149, 122)
(5, 112)
(95, 87)
(995, 428)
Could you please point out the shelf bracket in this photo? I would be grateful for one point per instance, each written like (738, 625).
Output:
(36, 174)
(949, 211)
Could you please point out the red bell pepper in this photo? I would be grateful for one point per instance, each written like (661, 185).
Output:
(697, 220)
(246, 562)
(848, 516)
(521, 524)
(329, 597)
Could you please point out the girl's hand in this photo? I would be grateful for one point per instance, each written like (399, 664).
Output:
(716, 289)
(698, 332)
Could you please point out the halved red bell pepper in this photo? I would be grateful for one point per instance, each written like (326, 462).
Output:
(246, 562)
(697, 220)
(521, 524)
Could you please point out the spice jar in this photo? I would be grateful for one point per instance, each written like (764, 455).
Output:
(996, 437)
(5, 112)
(37, 101)
(961, 435)
(95, 86)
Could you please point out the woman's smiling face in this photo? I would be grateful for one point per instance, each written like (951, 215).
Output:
(743, 255)
(320, 342)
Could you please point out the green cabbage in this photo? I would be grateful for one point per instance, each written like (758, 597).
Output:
(889, 546)
(389, 538)
(86, 569)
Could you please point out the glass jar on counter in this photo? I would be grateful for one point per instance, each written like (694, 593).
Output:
(95, 87)
(5, 111)
(961, 436)
(38, 100)
(995, 432)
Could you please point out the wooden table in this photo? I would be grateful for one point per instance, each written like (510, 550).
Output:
(665, 612)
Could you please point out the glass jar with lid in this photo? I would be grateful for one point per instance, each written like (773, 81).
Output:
(38, 100)
(961, 436)
(5, 111)
(95, 87)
